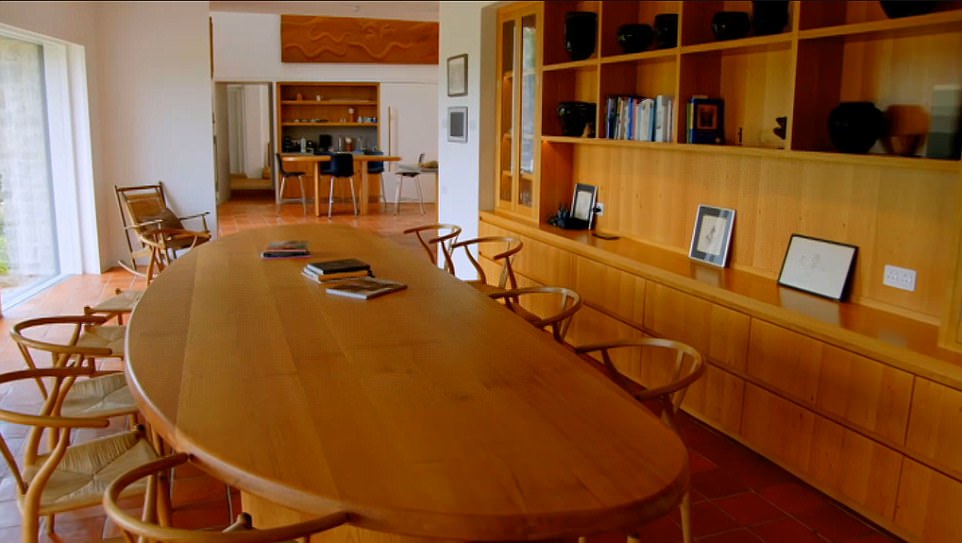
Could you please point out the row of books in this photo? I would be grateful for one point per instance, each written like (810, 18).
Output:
(639, 118)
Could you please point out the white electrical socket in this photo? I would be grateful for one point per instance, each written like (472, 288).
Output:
(901, 278)
(599, 209)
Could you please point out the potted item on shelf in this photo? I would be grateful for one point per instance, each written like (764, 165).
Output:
(635, 38)
(577, 118)
(905, 129)
(666, 30)
(730, 25)
(581, 32)
(854, 127)
(769, 16)
(895, 9)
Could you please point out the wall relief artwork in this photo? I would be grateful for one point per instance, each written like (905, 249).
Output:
(349, 39)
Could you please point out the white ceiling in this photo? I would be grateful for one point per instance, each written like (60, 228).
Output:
(414, 11)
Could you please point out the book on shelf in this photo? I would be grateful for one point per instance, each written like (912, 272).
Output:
(290, 248)
(341, 265)
(364, 288)
(663, 118)
(705, 120)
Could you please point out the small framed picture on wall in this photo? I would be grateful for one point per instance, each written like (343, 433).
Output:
(458, 124)
(458, 75)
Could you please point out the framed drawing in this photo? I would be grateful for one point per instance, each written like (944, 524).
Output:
(583, 207)
(818, 266)
(458, 124)
(458, 75)
(712, 235)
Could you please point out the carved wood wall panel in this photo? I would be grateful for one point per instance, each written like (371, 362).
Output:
(357, 40)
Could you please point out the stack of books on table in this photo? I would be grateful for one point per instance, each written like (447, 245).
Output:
(344, 268)
(292, 248)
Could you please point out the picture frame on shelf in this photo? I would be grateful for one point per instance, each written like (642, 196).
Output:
(712, 235)
(583, 204)
(458, 75)
(706, 120)
(458, 124)
(818, 266)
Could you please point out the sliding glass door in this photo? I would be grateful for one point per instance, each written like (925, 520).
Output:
(29, 258)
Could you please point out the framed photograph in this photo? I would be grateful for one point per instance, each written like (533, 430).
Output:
(818, 266)
(712, 236)
(583, 206)
(458, 124)
(458, 75)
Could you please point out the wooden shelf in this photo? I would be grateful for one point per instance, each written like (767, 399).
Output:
(329, 102)
(945, 21)
(328, 124)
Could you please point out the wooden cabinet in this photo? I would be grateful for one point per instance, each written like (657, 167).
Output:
(347, 112)
(897, 210)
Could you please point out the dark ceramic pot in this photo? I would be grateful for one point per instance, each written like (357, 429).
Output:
(581, 33)
(730, 25)
(854, 127)
(666, 30)
(635, 38)
(575, 116)
(895, 9)
(769, 16)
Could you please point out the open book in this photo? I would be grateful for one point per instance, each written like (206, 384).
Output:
(364, 287)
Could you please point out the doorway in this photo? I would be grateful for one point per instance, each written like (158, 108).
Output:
(244, 160)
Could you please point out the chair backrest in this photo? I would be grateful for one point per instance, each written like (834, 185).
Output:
(667, 369)
(432, 236)
(500, 249)
(342, 165)
(145, 205)
(375, 166)
(545, 307)
(325, 167)
(280, 166)
(242, 530)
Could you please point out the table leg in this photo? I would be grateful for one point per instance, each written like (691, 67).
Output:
(317, 189)
(364, 187)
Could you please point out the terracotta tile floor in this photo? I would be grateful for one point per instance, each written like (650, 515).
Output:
(738, 496)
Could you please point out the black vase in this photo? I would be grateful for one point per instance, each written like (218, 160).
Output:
(574, 117)
(666, 30)
(581, 33)
(730, 25)
(895, 9)
(635, 38)
(854, 127)
(769, 16)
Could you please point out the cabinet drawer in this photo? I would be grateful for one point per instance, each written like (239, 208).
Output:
(843, 463)
(619, 293)
(928, 505)
(935, 427)
(718, 333)
(592, 326)
(716, 398)
(859, 390)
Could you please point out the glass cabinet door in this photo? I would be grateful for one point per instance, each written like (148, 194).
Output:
(517, 102)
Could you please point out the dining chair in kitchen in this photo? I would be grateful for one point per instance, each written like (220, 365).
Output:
(283, 175)
(435, 237)
(500, 250)
(546, 307)
(657, 372)
(144, 527)
(342, 167)
(409, 172)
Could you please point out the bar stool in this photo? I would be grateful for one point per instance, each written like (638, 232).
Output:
(342, 167)
(284, 175)
(409, 172)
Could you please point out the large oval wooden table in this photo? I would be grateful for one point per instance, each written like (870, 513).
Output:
(432, 412)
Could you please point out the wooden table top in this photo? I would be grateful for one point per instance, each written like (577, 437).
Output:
(309, 157)
(429, 412)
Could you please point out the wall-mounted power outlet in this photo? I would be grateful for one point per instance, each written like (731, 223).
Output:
(599, 209)
(901, 278)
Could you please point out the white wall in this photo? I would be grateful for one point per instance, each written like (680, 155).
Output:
(247, 47)
(467, 178)
(149, 96)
